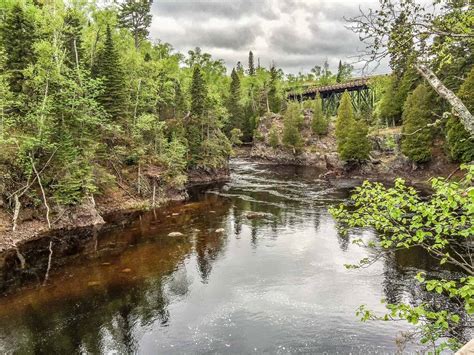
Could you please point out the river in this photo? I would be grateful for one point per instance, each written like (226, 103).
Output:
(230, 284)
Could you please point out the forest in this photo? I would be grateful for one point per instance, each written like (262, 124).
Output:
(90, 104)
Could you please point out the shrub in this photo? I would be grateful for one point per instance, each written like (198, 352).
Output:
(357, 146)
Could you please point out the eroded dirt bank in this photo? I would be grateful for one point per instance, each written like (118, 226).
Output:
(93, 211)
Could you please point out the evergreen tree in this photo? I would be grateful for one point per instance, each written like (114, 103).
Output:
(401, 32)
(135, 15)
(339, 72)
(5, 95)
(291, 127)
(249, 121)
(344, 72)
(460, 142)
(179, 101)
(236, 136)
(198, 93)
(251, 71)
(416, 143)
(273, 96)
(319, 123)
(345, 120)
(73, 38)
(357, 145)
(351, 134)
(407, 84)
(240, 68)
(109, 69)
(273, 138)
(195, 125)
(233, 104)
(389, 110)
(18, 37)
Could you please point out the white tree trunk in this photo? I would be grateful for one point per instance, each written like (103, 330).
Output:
(458, 106)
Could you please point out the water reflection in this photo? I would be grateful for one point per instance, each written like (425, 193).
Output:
(230, 284)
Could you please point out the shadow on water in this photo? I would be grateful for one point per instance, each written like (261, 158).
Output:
(230, 283)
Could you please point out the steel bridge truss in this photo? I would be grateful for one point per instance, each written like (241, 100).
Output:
(362, 95)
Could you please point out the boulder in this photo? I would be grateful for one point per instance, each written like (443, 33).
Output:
(175, 234)
(257, 215)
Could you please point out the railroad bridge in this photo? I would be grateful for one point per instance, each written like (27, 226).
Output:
(362, 94)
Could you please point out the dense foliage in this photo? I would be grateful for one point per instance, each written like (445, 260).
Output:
(443, 226)
(460, 143)
(87, 101)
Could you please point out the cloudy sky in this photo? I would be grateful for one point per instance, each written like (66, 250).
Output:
(296, 34)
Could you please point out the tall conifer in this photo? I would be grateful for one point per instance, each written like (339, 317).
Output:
(135, 15)
(319, 123)
(351, 134)
(251, 64)
(195, 125)
(273, 97)
(416, 143)
(339, 72)
(198, 93)
(18, 36)
(108, 68)
(291, 127)
(233, 105)
(345, 119)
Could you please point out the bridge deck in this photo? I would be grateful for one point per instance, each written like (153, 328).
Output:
(325, 91)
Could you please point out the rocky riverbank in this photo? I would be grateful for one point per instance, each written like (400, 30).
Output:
(386, 160)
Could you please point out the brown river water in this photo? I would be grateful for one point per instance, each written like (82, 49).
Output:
(272, 285)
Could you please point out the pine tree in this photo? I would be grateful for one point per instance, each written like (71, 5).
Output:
(389, 110)
(351, 134)
(135, 15)
(251, 71)
(345, 120)
(291, 127)
(194, 127)
(249, 120)
(18, 36)
(233, 104)
(357, 145)
(339, 72)
(198, 93)
(273, 138)
(179, 100)
(407, 84)
(319, 123)
(416, 143)
(273, 97)
(109, 69)
(401, 32)
(240, 68)
(460, 142)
